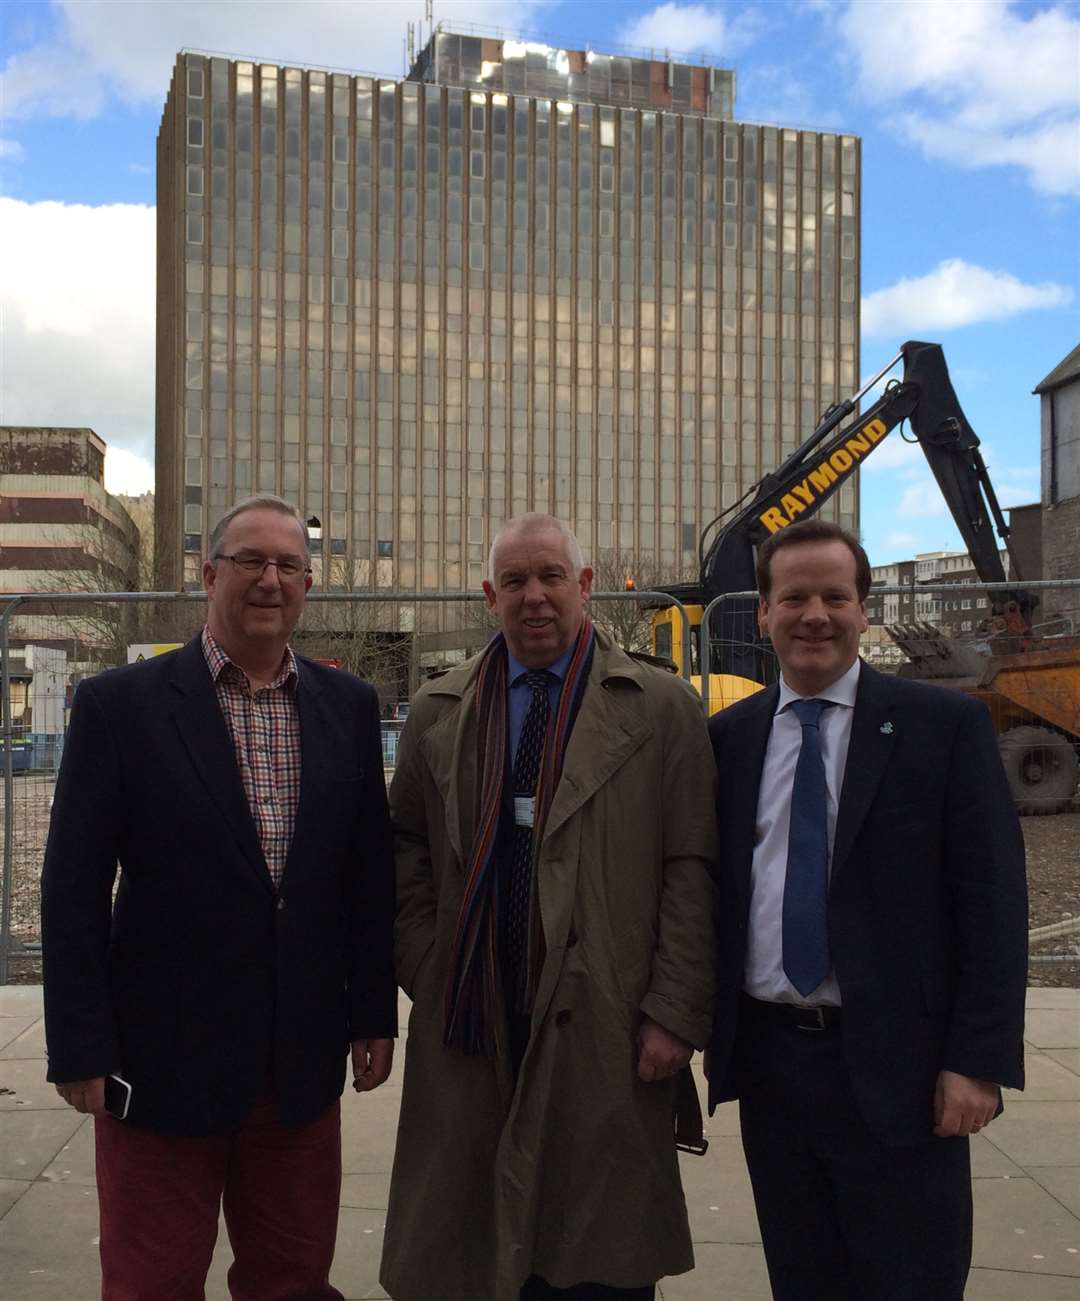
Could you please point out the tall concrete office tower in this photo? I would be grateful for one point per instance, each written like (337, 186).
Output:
(521, 278)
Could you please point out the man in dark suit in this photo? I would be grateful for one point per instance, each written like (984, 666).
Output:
(873, 944)
(240, 788)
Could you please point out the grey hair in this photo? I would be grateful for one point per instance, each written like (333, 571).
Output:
(530, 523)
(261, 501)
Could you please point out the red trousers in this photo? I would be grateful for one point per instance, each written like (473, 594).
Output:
(160, 1198)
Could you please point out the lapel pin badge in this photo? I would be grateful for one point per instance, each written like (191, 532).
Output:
(886, 729)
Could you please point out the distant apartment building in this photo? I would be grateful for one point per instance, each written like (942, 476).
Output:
(522, 278)
(891, 607)
(60, 531)
(956, 614)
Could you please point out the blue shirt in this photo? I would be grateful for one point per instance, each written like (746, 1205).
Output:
(519, 696)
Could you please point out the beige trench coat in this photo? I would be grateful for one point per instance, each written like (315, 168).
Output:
(573, 1175)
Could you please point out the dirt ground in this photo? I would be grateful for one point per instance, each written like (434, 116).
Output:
(1053, 864)
(1053, 868)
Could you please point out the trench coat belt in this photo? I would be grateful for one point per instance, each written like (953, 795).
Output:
(686, 1115)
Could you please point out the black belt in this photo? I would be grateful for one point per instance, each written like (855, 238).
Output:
(801, 1018)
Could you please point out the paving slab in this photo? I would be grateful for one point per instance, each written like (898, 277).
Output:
(23, 1086)
(1067, 1057)
(1062, 1182)
(989, 1162)
(1038, 1133)
(1045, 1079)
(13, 1028)
(359, 1246)
(1053, 1027)
(30, 1140)
(1020, 1226)
(725, 1272)
(367, 1138)
(1052, 997)
(724, 1122)
(718, 1196)
(74, 1163)
(49, 1247)
(10, 1192)
(366, 1192)
(1005, 1285)
(20, 1000)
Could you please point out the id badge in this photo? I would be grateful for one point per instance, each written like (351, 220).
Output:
(524, 810)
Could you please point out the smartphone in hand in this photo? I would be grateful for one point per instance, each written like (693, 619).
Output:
(117, 1097)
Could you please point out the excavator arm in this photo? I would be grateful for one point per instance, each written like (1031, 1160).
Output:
(822, 465)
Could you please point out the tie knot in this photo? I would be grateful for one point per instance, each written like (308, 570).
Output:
(537, 680)
(808, 712)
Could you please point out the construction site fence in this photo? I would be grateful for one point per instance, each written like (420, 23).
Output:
(50, 641)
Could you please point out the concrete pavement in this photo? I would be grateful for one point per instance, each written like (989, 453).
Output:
(1026, 1179)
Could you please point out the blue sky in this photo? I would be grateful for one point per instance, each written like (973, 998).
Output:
(969, 113)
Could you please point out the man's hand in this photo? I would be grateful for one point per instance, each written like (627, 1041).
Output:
(963, 1105)
(661, 1054)
(87, 1096)
(371, 1062)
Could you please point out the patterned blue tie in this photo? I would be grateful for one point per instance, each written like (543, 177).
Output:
(806, 887)
(526, 774)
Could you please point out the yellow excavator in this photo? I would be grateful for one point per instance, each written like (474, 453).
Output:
(1031, 684)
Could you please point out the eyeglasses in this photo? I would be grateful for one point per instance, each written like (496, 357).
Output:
(287, 566)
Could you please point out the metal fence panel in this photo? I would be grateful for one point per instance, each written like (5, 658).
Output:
(49, 643)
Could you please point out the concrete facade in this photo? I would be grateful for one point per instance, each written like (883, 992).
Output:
(520, 280)
(60, 530)
(1059, 398)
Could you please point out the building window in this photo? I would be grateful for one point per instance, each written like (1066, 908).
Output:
(384, 549)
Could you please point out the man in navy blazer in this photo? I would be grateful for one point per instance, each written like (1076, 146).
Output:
(240, 788)
(868, 1013)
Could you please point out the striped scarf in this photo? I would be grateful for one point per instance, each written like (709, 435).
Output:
(472, 989)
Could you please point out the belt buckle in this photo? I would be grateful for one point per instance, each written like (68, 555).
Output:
(819, 1012)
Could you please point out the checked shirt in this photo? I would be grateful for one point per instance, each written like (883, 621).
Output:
(265, 730)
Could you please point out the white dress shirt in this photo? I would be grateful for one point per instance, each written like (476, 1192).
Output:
(764, 974)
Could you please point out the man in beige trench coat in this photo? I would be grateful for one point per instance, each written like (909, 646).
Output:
(554, 933)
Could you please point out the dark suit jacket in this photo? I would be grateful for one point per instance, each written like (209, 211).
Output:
(927, 907)
(203, 981)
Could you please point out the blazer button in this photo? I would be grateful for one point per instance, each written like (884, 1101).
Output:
(280, 903)
(563, 1017)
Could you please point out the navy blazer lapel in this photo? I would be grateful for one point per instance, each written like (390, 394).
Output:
(317, 725)
(873, 730)
(746, 746)
(205, 734)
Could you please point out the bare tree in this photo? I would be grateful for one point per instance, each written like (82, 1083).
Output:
(628, 622)
(372, 638)
(89, 558)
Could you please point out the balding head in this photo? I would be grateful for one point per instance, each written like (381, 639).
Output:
(537, 587)
(531, 522)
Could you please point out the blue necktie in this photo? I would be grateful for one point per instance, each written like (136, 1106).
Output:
(806, 887)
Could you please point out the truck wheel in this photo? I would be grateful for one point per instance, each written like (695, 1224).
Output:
(1042, 768)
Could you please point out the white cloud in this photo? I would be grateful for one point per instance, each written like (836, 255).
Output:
(981, 83)
(78, 330)
(900, 541)
(11, 149)
(74, 71)
(921, 500)
(127, 473)
(1050, 153)
(893, 454)
(954, 294)
(682, 28)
